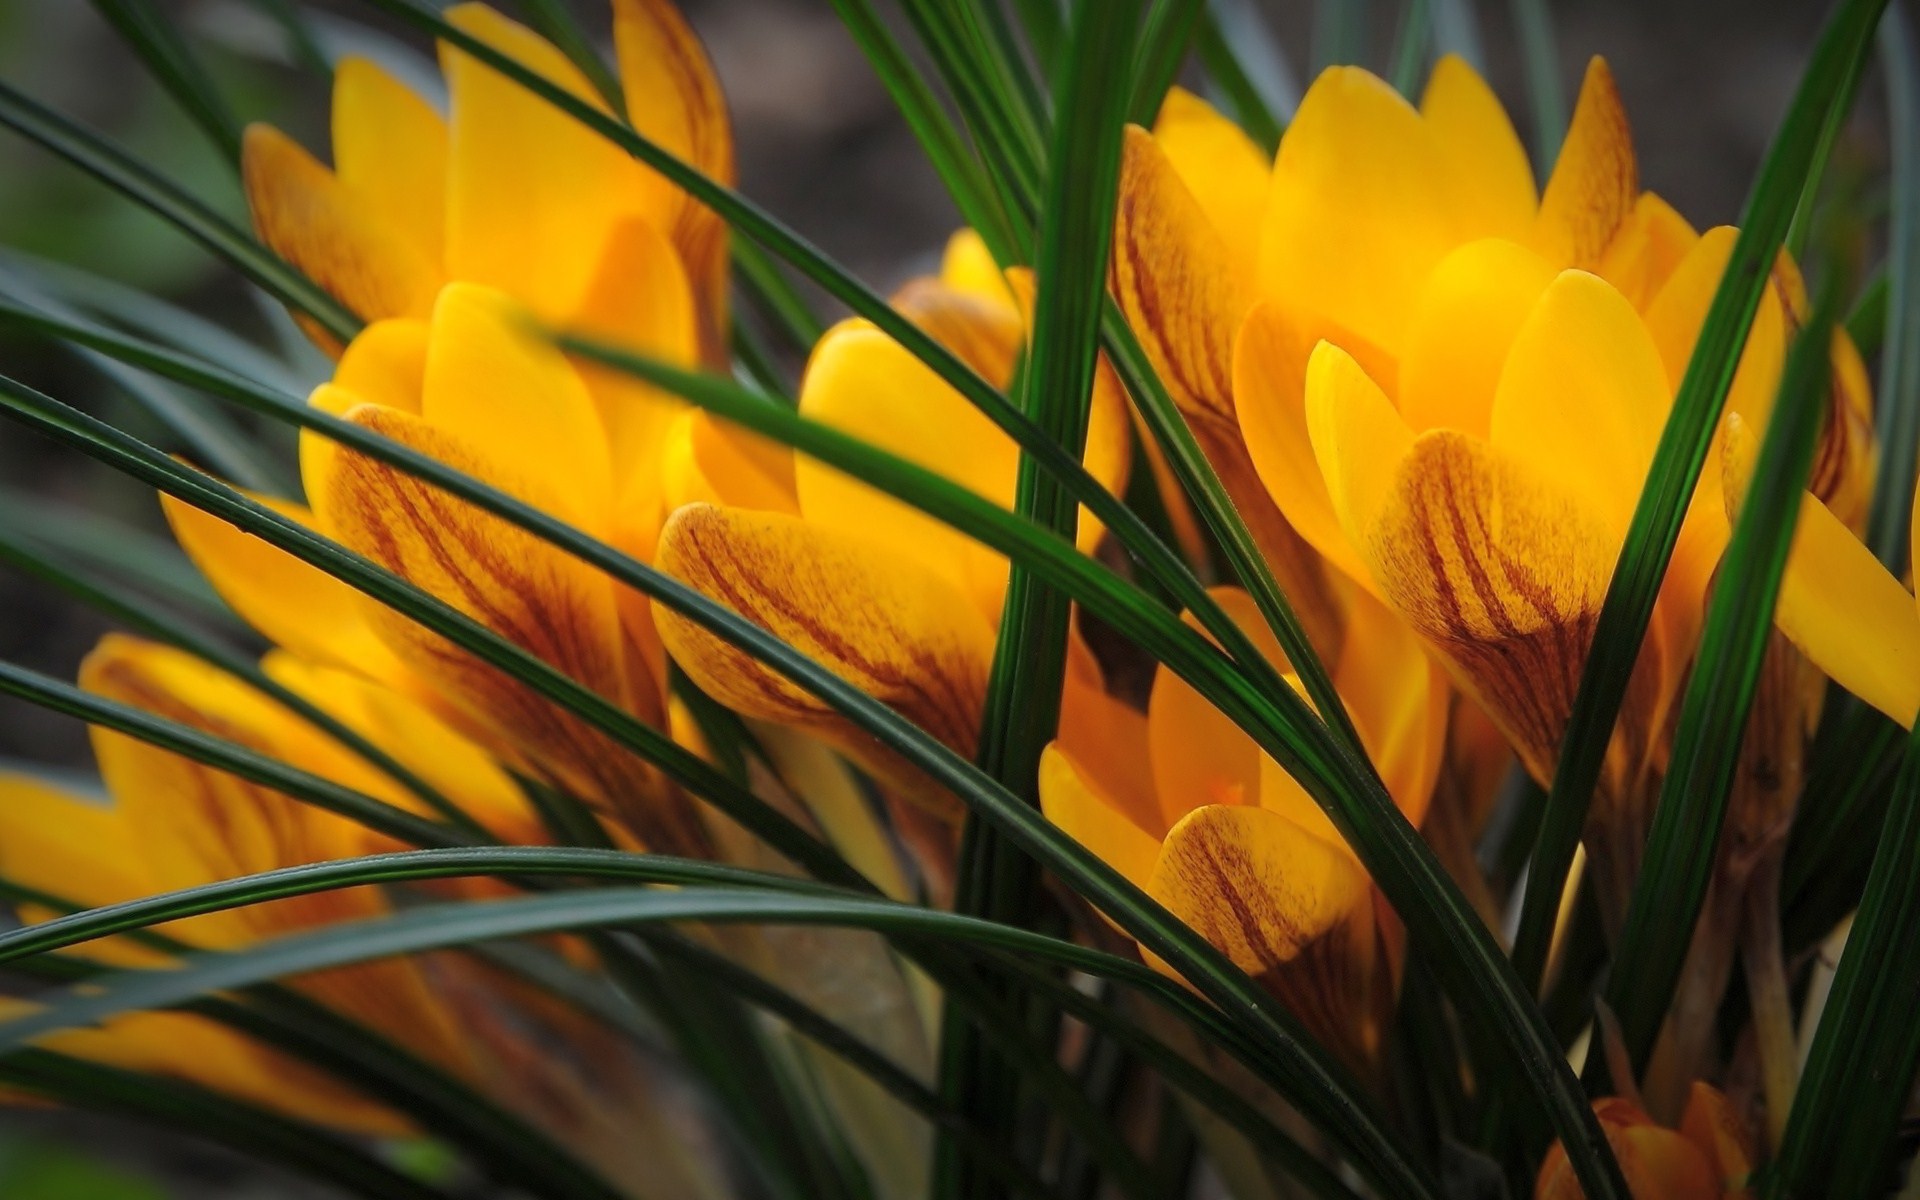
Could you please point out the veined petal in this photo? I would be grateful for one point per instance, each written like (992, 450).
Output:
(674, 100)
(1176, 281)
(495, 384)
(1471, 309)
(532, 194)
(1075, 802)
(386, 365)
(1846, 462)
(1487, 170)
(1843, 609)
(1291, 910)
(390, 149)
(196, 824)
(1596, 179)
(1583, 396)
(862, 381)
(290, 602)
(418, 739)
(1502, 570)
(1646, 250)
(74, 848)
(1360, 208)
(308, 217)
(1220, 165)
(904, 635)
(545, 601)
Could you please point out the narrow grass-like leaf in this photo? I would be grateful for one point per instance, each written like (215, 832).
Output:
(1339, 34)
(556, 21)
(1540, 54)
(946, 148)
(1898, 400)
(198, 1112)
(1457, 31)
(156, 39)
(1684, 841)
(1655, 528)
(1022, 708)
(1163, 47)
(1866, 321)
(988, 1154)
(154, 191)
(1244, 100)
(115, 550)
(776, 294)
(1410, 48)
(1840, 1132)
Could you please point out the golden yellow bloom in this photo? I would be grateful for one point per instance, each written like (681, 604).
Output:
(1709, 1157)
(884, 595)
(175, 823)
(507, 190)
(1451, 384)
(1187, 807)
(450, 235)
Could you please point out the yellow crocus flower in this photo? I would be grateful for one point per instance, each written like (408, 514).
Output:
(507, 190)
(175, 823)
(885, 596)
(1186, 806)
(1709, 1157)
(1451, 385)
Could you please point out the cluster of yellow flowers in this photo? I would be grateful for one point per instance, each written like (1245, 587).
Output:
(1432, 388)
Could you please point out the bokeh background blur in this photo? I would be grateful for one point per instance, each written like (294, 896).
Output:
(1704, 80)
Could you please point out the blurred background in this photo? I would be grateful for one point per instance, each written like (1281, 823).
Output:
(819, 143)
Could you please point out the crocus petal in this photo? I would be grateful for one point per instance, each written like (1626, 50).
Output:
(196, 824)
(903, 635)
(311, 219)
(1219, 164)
(1176, 281)
(674, 100)
(550, 604)
(1488, 175)
(1846, 461)
(1199, 756)
(385, 364)
(862, 381)
(1679, 309)
(1074, 801)
(1269, 387)
(390, 149)
(416, 738)
(1646, 249)
(1656, 1162)
(1470, 311)
(497, 385)
(966, 265)
(1843, 609)
(290, 602)
(1398, 700)
(1583, 396)
(1108, 736)
(1502, 570)
(1289, 909)
(1596, 179)
(532, 194)
(75, 848)
(203, 1051)
(1358, 440)
(1716, 1130)
(706, 460)
(1359, 210)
